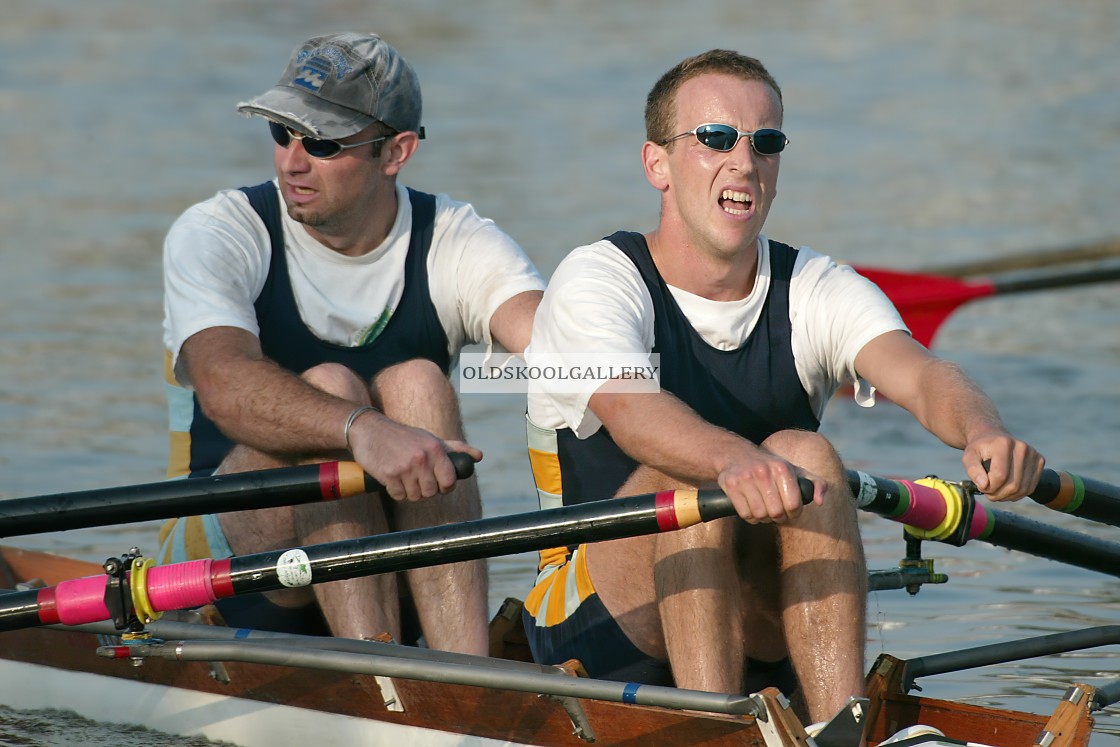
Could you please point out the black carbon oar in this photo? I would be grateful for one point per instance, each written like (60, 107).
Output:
(939, 510)
(151, 590)
(283, 486)
(1030, 260)
(1008, 651)
(1080, 496)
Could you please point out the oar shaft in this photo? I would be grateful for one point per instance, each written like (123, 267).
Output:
(1029, 260)
(199, 582)
(131, 503)
(1064, 280)
(284, 486)
(1080, 496)
(1001, 653)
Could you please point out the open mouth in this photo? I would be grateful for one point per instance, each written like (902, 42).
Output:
(735, 203)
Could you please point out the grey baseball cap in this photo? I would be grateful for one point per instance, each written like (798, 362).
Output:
(340, 84)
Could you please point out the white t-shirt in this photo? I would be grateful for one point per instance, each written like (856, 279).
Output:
(598, 304)
(217, 254)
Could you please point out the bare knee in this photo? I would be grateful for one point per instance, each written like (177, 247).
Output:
(806, 449)
(336, 379)
(419, 393)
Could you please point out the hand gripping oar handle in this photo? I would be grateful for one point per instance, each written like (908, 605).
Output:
(283, 486)
(156, 589)
(464, 465)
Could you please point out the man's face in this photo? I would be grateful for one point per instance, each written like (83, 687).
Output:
(328, 195)
(721, 199)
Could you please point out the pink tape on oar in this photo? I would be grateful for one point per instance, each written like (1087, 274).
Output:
(980, 522)
(181, 586)
(74, 602)
(926, 509)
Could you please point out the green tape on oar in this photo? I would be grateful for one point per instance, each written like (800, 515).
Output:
(1079, 496)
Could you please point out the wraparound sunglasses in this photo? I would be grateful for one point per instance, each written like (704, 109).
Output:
(315, 147)
(721, 137)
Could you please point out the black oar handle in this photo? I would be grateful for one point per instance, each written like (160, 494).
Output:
(282, 486)
(806, 486)
(464, 465)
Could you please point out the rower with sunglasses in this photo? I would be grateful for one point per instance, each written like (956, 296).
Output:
(316, 317)
(753, 337)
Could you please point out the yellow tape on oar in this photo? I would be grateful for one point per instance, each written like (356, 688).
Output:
(953, 511)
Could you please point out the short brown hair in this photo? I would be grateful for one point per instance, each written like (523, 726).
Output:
(661, 102)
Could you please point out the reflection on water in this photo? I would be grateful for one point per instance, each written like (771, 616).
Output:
(921, 134)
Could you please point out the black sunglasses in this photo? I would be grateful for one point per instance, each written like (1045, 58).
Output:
(315, 147)
(721, 137)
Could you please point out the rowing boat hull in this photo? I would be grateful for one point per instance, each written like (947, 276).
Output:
(256, 704)
(271, 704)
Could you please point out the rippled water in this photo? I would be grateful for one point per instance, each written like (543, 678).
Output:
(921, 134)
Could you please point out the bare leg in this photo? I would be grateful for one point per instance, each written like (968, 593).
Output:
(450, 599)
(353, 608)
(676, 595)
(823, 582)
(710, 595)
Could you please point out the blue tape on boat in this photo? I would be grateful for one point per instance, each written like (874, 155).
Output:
(630, 693)
(242, 633)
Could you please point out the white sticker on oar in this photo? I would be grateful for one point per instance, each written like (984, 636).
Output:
(868, 490)
(294, 568)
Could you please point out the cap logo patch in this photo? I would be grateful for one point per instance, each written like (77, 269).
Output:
(318, 64)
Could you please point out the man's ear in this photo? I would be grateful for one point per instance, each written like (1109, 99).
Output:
(397, 150)
(655, 161)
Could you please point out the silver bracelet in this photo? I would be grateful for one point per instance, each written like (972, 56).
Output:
(350, 422)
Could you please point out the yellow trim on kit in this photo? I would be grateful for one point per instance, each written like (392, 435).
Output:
(178, 454)
(196, 545)
(557, 598)
(351, 479)
(536, 595)
(560, 589)
(584, 587)
(552, 556)
(168, 373)
(546, 471)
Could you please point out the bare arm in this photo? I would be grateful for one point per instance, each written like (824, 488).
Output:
(660, 431)
(950, 406)
(261, 405)
(512, 322)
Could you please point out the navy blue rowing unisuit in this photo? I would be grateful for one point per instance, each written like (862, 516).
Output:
(752, 390)
(413, 332)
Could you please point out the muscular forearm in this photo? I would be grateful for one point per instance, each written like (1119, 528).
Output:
(952, 407)
(257, 403)
(661, 432)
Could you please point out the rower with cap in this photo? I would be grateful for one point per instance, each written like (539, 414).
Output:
(316, 316)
